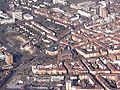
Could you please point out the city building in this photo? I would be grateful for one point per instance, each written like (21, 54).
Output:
(17, 15)
(51, 69)
(109, 81)
(75, 67)
(103, 12)
(7, 21)
(23, 2)
(28, 47)
(28, 16)
(84, 13)
(52, 50)
(59, 1)
(8, 58)
(65, 45)
(68, 84)
(95, 65)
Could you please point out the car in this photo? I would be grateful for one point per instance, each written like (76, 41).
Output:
(30, 37)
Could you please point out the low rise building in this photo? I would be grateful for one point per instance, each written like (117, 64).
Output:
(112, 64)
(7, 21)
(85, 82)
(96, 66)
(75, 67)
(28, 47)
(17, 15)
(84, 13)
(51, 69)
(109, 81)
(52, 50)
(8, 58)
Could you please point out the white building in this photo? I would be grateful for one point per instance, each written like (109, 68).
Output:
(84, 13)
(7, 21)
(28, 16)
(1, 12)
(17, 15)
(59, 1)
(2, 56)
(57, 10)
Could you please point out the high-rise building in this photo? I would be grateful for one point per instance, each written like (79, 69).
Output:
(8, 58)
(68, 85)
(103, 12)
(97, 10)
